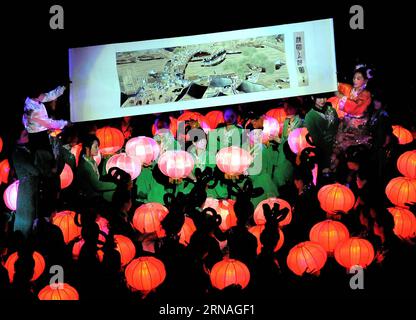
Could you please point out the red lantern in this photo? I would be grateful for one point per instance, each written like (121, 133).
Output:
(404, 222)
(214, 118)
(354, 252)
(111, 140)
(401, 190)
(172, 128)
(4, 171)
(148, 216)
(306, 257)
(126, 248)
(76, 151)
(259, 218)
(336, 197)
(271, 129)
(145, 273)
(297, 140)
(280, 115)
(257, 230)
(144, 148)
(132, 165)
(329, 234)
(403, 135)
(407, 164)
(233, 161)
(225, 208)
(189, 115)
(65, 220)
(10, 195)
(66, 176)
(176, 164)
(186, 232)
(38, 270)
(1, 144)
(229, 272)
(60, 291)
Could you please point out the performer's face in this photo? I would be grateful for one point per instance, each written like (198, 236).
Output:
(94, 149)
(358, 80)
(320, 102)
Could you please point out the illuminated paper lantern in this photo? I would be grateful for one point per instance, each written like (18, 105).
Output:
(406, 164)
(297, 140)
(306, 257)
(65, 220)
(144, 148)
(186, 232)
(233, 161)
(404, 222)
(354, 252)
(336, 197)
(66, 176)
(76, 151)
(229, 272)
(190, 115)
(38, 270)
(271, 129)
(148, 216)
(131, 165)
(4, 171)
(403, 135)
(60, 291)
(259, 218)
(225, 208)
(10, 195)
(279, 114)
(176, 164)
(126, 248)
(111, 140)
(214, 118)
(257, 230)
(401, 190)
(329, 234)
(145, 273)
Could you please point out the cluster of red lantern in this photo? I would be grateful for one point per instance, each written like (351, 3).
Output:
(233, 161)
(38, 270)
(145, 273)
(144, 148)
(259, 218)
(229, 272)
(336, 197)
(176, 164)
(306, 257)
(60, 291)
(131, 165)
(111, 140)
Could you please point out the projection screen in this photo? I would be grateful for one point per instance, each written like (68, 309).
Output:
(125, 79)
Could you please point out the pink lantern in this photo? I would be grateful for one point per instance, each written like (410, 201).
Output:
(297, 140)
(176, 164)
(130, 164)
(280, 115)
(144, 148)
(233, 160)
(259, 218)
(4, 171)
(270, 129)
(111, 140)
(403, 135)
(148, 216)
(66, 176)
(225, 208)
(214, 118)
(10, 195)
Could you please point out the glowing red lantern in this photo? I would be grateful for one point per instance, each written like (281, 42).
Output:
(229, 272)
(172, 128)
(144, 148)
(354, 252)
(233, 161)
(176, 164)
(329, 234)
(259, 218)
(214, 118)
(190, 115)
(145, 273)
(186, 232)
(65, 220)
(306, 257)
(76, 151)
(336, 197)
(111, 140)
(271, 129)
(297, 140)
(257, 230)
(225, 208)
(278, 113)
(10, 195)
(404, 222)
(4, 171)
(403, 135)
(407, 164)
(401, 190)
(132, 165)
(148, 216)
(59, 291)
(66, 176)
(126, 248)
(38, 270)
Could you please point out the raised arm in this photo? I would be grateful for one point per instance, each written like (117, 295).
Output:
(54, 94)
